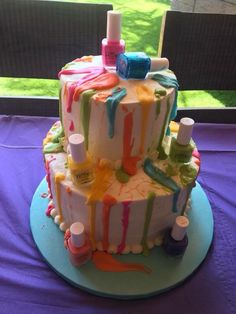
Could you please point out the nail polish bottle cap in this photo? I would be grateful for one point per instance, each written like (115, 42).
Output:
(158, 64)
(179, 229)
(113, 25)
(77, 234)
(77, 147)
(185, 131)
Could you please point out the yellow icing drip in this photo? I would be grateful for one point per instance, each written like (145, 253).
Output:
(146, 99)
(101, 183)
(99, 186)
(174, 127)
(58, 178)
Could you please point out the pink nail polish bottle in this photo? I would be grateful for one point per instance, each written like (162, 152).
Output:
(113, 44)
(78, 244)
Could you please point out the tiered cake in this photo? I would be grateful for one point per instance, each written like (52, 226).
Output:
(134, 177)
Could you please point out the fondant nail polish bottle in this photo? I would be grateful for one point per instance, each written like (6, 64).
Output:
(136, 65)
(181, 147)
(112, 45)
(176, 240)
(79, 162)
(78, 245)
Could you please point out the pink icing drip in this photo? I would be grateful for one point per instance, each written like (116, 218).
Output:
(196, 154)
(48, 177)
(72, 127)
(125, 223)
(49, 209)
(93, 72)
(90, 69)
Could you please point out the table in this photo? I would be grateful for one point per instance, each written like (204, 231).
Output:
(28, 285)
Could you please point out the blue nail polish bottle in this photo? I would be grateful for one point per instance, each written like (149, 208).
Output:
(136, 65)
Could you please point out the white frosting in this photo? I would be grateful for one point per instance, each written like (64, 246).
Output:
(112, 148)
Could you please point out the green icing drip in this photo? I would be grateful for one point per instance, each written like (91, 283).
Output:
(150, 201)
(171, 170)
(187, 174)
(168, 81)
(160, 92)
(159, 146)
(58, 134)
(85, 109)
(158, 107)
(52, 148)
(122, 176)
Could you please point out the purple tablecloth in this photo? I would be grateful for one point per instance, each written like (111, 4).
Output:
(28, 285)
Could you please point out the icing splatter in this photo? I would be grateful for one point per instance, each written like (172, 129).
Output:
(103, 81)
(106, 262)
(72, 126)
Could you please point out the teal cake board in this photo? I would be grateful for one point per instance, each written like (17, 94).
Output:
(167, 271)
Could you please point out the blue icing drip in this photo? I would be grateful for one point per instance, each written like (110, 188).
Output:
(111, 104)
(159, 176)
(168, 81)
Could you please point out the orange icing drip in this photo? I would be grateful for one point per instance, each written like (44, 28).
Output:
(108, 201)
(106, 262)
(103, 81)
(146, 99)
(129, 162)
(58, 178)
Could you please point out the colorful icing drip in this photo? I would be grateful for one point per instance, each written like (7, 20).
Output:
(53, 141)
(125, 224)
(129, 163)
(146, 99)
(159, 146)
(59, 177)
(85, 109)
(60, 104)
(103, 81)
(92, 217)
(49, 209)
(72, 87)
(108, 201)
(48, 177)
(111, 104)
(106, 262)
(99, 186)
(159, 176)
(168, 81)
(150, 203)
(90, 70)
(158, 108)
(187, 174)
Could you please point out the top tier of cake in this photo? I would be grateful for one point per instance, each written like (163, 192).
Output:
(119, 118)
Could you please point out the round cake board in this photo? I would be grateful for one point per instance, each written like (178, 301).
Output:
(167, 271)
